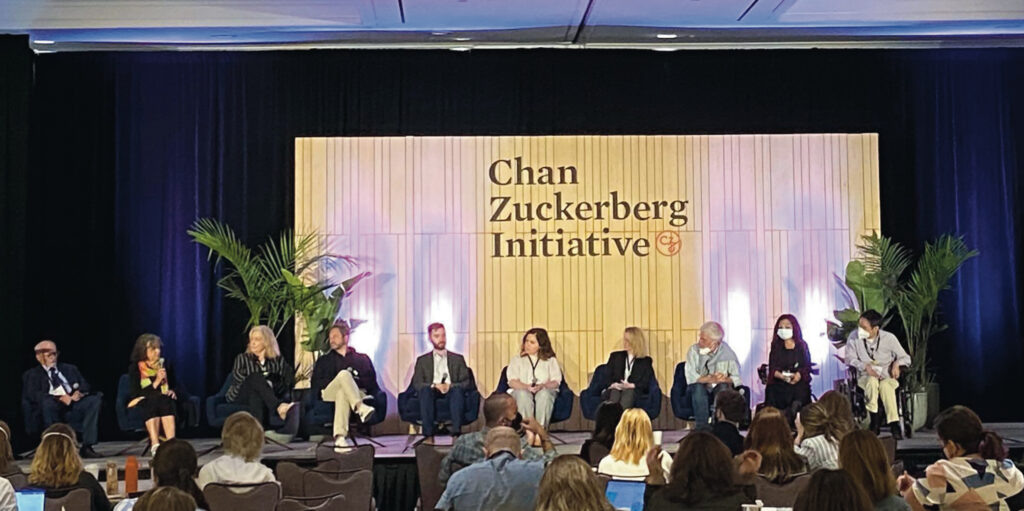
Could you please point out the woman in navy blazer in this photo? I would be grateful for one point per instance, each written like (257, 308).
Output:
(629, 370)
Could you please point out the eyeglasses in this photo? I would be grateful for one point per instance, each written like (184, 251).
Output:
(47, 353)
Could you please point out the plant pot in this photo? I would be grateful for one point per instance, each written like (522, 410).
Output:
(919, 402)
(933, 404)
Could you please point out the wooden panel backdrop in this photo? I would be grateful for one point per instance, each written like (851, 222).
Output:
(770, 218)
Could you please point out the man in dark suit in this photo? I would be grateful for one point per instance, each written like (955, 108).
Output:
(437, 374)
(57, 392)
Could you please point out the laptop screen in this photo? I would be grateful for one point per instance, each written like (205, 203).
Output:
(627, 495)
(30, 500)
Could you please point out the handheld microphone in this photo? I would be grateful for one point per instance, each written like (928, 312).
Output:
(444, 379)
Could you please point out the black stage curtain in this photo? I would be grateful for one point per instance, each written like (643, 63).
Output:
(129, 148)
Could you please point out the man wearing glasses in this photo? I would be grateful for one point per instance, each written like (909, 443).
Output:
(57, 392)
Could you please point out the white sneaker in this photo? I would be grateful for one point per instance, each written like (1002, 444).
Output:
(365, 411)
(152, 450)
(341, 444)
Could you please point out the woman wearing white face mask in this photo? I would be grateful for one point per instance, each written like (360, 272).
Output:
(789, 368)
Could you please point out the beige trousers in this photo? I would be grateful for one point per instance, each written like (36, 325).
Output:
(347, 398)
(884, 389)
(538, 406)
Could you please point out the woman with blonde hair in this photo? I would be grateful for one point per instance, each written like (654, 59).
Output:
(817, 437)
(770, 435)
(262, 380)
(630, 370)
(633, 439)
(534, 376)
(569, 484)
(862, 455)
(242, 437)
(57, 468)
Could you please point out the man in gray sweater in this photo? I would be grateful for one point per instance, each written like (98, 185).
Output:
(878, 356)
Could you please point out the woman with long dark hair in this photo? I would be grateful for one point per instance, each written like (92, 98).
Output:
(832, 490)
(862, 455)
(607, 419)
(569, 484)
(703, 476)
(175, 465)
(789, 368)
(534, 376)
(770, 435)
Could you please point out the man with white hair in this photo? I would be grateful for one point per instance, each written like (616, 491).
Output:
(711, 366)
(57, 392)
(502, 482)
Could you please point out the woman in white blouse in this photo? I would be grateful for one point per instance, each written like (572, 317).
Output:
(534, 376)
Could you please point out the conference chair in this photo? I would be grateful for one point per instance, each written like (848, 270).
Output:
(358, 457)
(332, 503)
(780, 495)
(409, 405)
(319, 415)
(317, 485)
(129, 420)
(218, 409)
(590, 397)
(681, 406)
(17, 478)
(563, 401)
(428, 465)
(235, 497)
(78, 499)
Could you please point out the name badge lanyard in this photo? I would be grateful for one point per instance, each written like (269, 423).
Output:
(533, 367)
(629, 366)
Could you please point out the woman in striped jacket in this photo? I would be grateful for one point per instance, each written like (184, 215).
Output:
(818, 436)
(262, 381)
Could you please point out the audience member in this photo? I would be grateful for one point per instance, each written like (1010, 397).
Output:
(57, 392)
(862, 455)
(499, 410)
(175, 465)
(436, 375)
(789, 368)
(711, 367)
(633, 439)
(770, 435)
(7, 465)
(703, 477)
(57, 468)
(166, 498)
(262, 380)
(502, 482)
(607, 419)
(630, 370)
(817, 437)
(569, 484)
(242, 437)
(534, 376)
(153, 388)
(838, 407)
(832, 490)
(8, 498)
(346, 378)
(730, 409)
(975, 474)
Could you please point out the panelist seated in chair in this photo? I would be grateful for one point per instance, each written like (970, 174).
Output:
(440, 373)
(877, 356)
(346, 378)
(534, 376)
(58, 393)
(262, 380)
(789, 368)
(631, 370)
(153, 389)
(712, 366)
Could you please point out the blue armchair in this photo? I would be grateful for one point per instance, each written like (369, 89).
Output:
(218, 409)
(409, 405)
(681, 406)
(129, 420)
(590, 398)
(563, 402)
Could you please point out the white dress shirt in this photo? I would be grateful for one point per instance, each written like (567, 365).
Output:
(441, 367)
(57, 390)
(533, 370)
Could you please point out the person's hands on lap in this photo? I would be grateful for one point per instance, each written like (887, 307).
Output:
(795, 379)
(66, 399)
(871, 372)
(172, 395)
(895, 371)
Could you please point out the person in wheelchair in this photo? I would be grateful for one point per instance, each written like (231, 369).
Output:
(789, 369)
(878, 357)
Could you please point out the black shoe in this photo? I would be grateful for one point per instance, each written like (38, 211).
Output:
(291, 420)
(876, 423)
(87, 452)
(897, 431)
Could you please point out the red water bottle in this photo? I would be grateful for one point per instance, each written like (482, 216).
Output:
(131, 475)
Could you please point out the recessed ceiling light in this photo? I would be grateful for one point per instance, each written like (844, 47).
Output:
(460, 48)
(462, 38)
(42, 41)
(667, 36)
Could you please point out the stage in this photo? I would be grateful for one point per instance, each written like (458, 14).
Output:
(396, 487)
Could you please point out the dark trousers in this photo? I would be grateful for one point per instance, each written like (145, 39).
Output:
(430, 399)
(257, 396)
(701, 398)
(789, 399)
(81, 415)
(624, 397)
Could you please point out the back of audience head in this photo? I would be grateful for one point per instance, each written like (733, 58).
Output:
(730, 406)
(633, 436)
(242, 436)
(832, 490)
(816, 421)
(770, 435)
(165, 498)
(502, 439)
(569, 484)
(56, 463)
(6, 451)
(176, 465)
(862, 455)
(702, 468)
(608, 416)
(499, 409)
(962, 434)
(839, 409)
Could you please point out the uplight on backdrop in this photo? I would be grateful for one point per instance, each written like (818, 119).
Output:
(586, 235)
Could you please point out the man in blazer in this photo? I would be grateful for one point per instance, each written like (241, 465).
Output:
(57, 392)
(437, 374)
